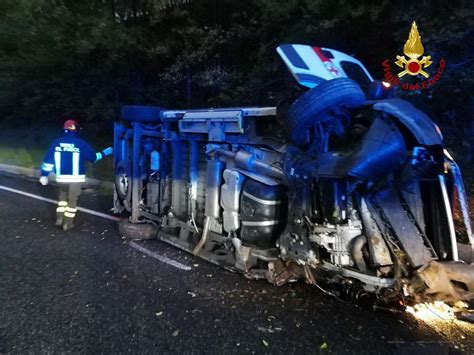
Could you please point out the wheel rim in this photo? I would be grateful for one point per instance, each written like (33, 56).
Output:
(122, 182)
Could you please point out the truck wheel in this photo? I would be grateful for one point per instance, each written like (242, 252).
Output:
(150, 114)
(122, 181)
(311, 106)
(137, 231)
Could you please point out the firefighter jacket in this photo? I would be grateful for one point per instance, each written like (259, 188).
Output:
(66, 158)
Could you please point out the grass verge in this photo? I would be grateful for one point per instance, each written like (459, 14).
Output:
(26, 147)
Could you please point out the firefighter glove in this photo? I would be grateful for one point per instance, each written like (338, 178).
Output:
(108, 151)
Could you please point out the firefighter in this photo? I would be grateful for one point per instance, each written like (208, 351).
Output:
(66, 158)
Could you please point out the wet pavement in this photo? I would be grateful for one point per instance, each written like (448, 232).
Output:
(87, 290)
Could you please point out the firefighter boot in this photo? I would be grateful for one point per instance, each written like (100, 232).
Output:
(59, 219)
(68, 223)
(60, 213)
(69, 218)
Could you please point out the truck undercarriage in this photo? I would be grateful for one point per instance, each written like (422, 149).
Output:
(347, 191)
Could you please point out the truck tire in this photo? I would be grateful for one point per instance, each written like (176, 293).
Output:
(312, 105)
(146, 114)
(137, 231)
(122, 181)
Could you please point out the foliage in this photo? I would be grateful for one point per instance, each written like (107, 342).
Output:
(84, 59)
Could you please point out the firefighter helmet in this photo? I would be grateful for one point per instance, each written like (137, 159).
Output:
(71, 125)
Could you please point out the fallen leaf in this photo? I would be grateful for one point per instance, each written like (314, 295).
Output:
(265, 342)
(324, 346)
(175, 333)
(159, 313)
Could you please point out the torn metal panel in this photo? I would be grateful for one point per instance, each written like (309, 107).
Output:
(406, 232)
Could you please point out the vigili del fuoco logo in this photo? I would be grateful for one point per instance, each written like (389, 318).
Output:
(413, 63)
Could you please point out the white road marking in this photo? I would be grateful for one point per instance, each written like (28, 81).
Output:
(145, 251)
(159, 257)
(41, 198)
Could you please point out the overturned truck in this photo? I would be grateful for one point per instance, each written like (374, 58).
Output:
(347, 187)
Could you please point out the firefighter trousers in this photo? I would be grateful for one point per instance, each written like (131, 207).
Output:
(67, 205)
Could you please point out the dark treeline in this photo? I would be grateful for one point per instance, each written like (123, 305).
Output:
(63, 58)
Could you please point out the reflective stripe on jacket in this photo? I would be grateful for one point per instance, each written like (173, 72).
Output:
(66, 158)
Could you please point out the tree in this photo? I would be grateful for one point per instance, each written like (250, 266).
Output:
(86, 58)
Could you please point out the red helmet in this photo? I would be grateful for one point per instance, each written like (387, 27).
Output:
(71, 125)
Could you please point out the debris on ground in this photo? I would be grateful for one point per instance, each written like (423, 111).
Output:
(269, 330)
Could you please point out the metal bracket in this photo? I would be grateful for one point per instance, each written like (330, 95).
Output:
(216, 123)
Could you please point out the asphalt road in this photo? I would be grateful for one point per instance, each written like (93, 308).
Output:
(87, 290)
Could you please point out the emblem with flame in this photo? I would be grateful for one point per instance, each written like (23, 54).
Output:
(413, 49)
